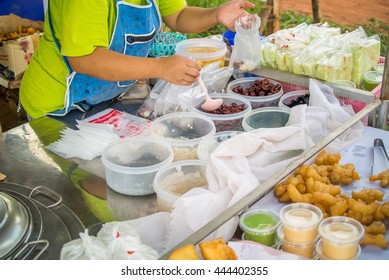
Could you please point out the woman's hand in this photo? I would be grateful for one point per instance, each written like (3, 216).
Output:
(178, 70)
(229, 12)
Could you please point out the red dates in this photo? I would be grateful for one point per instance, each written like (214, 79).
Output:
(228, 109)
(258, 88)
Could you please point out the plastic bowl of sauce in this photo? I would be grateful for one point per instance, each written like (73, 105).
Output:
(300, 222)
(306, 250)
(340, 237)
(260, 225)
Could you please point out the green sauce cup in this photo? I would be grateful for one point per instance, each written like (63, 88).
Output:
(260, 225)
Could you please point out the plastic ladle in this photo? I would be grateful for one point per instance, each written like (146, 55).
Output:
(210, 104)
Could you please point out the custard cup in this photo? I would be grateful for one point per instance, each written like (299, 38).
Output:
(340, 237)
(260, 225)
(300, 222)
(306, 250)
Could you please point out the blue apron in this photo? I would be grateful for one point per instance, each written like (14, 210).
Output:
(134, 31)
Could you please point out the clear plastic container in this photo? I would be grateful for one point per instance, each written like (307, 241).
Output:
(226, 122)
(306, 250)
(321, 256)
(340, 237)
(345, 83)
(371, 80)
(204, 51)
(260, 225)
(287, 98)
(379, 67)
(183, 131)
(300, 222)
(131, 164)
(256, 101)
(269, 117)
(176, 179)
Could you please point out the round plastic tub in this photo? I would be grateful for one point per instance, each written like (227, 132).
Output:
(203, 51)
(257, 101)
(269, 117)
(340, 237)
(226, 122)
(304, 249)
(131, 164)
(183, 131)
(300, 222)
(260, 225)
(174, 180)
(372, 79)
(288, 100)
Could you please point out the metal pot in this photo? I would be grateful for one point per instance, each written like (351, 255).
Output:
(15, 224)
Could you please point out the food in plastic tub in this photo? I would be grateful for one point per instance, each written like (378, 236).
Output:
(321, 256)
(204, 51)
(294, 98)
(267, 117)
(261, 92)
(300, 222)
(131, 164)
(176, 179)
(183, 131)
(306, 249)
(371, 80)
(379, 67)
(260, 225)
(208, 145)
(340, 237)
(230, 115)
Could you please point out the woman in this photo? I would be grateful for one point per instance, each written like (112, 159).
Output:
(94, 50)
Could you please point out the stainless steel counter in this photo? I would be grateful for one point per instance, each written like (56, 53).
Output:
(24, 160)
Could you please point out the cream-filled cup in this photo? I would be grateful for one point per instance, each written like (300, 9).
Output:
(340, 237)
(306, 250)
(300, 222)
(321, 256)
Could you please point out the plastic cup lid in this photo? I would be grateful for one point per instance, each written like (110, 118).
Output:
(374, 77)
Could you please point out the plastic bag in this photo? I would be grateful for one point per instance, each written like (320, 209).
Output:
(246, 54)
(168, 98)
(114, 241)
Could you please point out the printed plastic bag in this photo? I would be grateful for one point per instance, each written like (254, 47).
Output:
(246, 54)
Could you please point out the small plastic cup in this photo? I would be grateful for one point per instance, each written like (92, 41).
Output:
(306, 250)
(321, 256)
(260, 225)
(340, 237)
(300, 222)
(372, 80)
(345, 83)
(379, 67)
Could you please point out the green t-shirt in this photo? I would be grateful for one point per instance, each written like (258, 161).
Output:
(80, 27)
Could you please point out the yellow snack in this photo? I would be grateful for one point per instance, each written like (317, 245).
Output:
(285, 197)
(311, 172)
(323, 158)
(344, 174)
(376, 227)
(368, 195)
(217, 249)
(383, 177)
(376, 240)
(187, 252)
(280, 188)
(365, 209)
(325, 199)
(322, 187)
(339, 208)
(296, 196)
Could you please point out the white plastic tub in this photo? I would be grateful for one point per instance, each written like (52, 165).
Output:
(131, 164)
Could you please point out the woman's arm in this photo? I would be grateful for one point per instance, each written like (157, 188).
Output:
(196, 19)
(112, 66)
